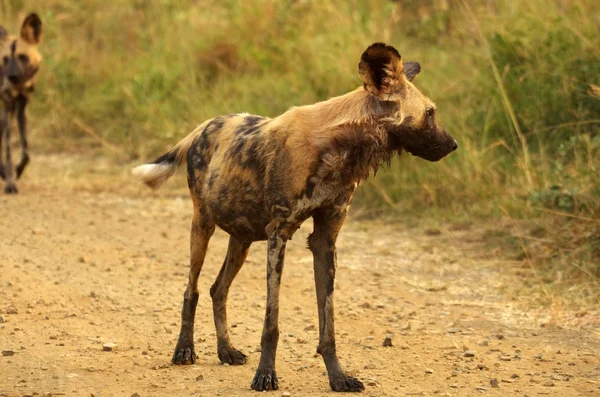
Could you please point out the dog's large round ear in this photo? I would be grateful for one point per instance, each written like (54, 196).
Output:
(31, 31)
(411, 70)
(381, 70)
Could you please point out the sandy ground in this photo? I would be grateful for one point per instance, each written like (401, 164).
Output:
(88, 257)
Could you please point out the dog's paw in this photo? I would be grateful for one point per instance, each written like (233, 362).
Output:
(345, 383)
(184, 356)
(10, 189)
(265, 379)
(231, 356)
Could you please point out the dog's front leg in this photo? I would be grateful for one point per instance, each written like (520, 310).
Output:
(10, 187)
(266, 378)
(327, 223)
(22, 123)
(2, 175)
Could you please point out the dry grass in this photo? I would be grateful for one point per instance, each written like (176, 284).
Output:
(515, 81)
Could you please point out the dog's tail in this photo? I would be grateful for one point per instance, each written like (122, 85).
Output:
(161, 169)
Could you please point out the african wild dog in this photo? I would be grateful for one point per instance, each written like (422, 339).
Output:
(259, 178)
(20, 63)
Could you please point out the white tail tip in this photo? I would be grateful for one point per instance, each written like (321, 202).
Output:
(154, 175)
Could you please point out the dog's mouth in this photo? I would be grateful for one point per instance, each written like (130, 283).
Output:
(433, 151)
(432, 144)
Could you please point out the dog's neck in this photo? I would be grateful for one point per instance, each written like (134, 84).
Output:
(350, 136)
(355, 107)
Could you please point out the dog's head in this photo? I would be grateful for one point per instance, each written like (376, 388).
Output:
(19, 57)
(405, 113)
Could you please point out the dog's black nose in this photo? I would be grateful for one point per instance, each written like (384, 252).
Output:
(454, 145)
(13, 79)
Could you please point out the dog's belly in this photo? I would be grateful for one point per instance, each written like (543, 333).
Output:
(245, 221)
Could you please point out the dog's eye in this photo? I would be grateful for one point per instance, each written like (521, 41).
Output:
(430, 112)
(23, 58)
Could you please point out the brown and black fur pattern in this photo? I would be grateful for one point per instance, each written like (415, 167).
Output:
(19, 62)
(259, 178)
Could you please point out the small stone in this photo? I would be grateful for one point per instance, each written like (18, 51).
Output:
(387, 342)
(505, 358)
(428, 371)
(11, 310)
(494, 383)
(481, 389)
(499, 336)
(469, 353)
(310, 327)
(93, 295)
(300, 341)
(1, 320)
(286, 394)
(199, 377)
(8, 352)
(454, 330)
(135, 395)
(484, 342)
(109, 347)
(548, 384)
(405, 326)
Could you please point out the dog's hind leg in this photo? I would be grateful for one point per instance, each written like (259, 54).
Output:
(327, 223)
(22, 123)
(236, 255)
(203, 227)
(10, 187)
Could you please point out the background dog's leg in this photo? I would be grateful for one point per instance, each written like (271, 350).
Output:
(203, 228)
(2, 175)
(327, 223)
(10, 187)
(266, 378)
(22, 123)
(236, 255)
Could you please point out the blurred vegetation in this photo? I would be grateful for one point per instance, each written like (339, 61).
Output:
(516, 82)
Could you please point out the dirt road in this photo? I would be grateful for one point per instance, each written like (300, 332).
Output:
(88, 257)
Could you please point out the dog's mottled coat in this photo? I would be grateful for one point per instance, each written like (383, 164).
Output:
(259, 178)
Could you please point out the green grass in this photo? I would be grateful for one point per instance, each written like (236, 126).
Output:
(513, 80)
